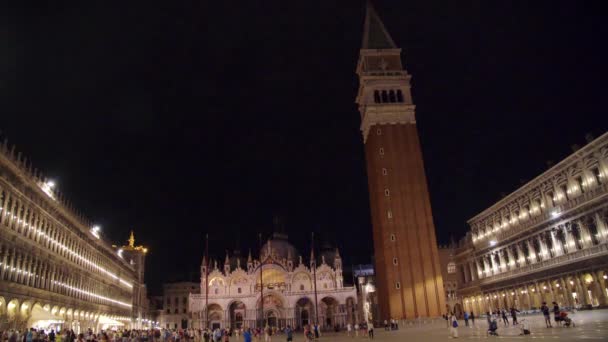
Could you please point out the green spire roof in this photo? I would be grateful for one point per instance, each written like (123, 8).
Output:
(375, 35)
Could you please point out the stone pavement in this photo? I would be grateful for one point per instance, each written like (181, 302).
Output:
(590, 325)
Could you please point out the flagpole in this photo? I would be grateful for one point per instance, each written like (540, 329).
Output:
(314, 270)
(261, 281)
(207, 281)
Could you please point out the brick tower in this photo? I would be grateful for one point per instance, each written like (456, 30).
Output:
(409, 282)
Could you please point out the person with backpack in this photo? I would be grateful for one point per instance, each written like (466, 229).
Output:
(454, 326)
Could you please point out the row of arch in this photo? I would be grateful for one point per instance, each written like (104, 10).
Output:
(583, 176)
(236, 314)
(26, 219)
(388, 96)
(564, 238)
(21, 314)
(24, 268)
(579, 289)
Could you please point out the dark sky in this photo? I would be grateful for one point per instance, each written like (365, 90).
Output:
(178, 118)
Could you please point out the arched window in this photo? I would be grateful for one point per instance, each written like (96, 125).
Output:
(387, 192)
(216, 291)
(376, 96)
(391, 96)
(393, 237)
(451, 268)
(397, 285)
(301, 287)
(381, 151)
(384, 171)
(395, 261)
(384, 96)
(238, 290)
(399, 95)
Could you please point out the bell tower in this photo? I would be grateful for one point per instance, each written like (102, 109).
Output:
(408, 273)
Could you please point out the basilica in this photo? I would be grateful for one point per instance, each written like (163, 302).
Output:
(278, 289)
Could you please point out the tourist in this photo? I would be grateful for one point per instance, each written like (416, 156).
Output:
(466, 319)
(308, 335)
(316, 330)
(370, 331)
(386, 325)
(356, 329)
(545, 309)
(472, 316)
(349, 329)
(454, 326)
(514, 315)
(289, 333)
(489, 317)
(556, 315)
(268, 334)
(505, 320)
(217, 335)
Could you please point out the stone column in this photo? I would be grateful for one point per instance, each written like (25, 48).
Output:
(599, 287)
(501, 258)
(3, 260)
(582, 294)
(557, 244)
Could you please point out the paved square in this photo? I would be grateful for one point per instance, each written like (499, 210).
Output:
(590, 325)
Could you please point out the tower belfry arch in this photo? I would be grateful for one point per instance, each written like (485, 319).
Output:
(407, 261)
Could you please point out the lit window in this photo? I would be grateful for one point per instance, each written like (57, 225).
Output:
(384, 171)
(381, 151)
(451, 268)
(389, 214)
(395, 261)
(393, 237)
(397, 285)
(387, 192)
(378, 131)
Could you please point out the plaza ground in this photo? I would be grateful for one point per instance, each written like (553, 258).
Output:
(590, 325)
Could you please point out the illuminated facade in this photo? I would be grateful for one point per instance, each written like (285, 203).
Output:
(56, 270)
(408, 275)
(174, 313)
(546, 241)
(234, 293)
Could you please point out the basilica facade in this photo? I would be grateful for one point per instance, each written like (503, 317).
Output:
(280, 288)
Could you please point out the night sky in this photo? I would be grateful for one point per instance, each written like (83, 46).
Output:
(180, 118)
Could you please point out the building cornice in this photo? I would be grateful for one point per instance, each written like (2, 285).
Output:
(386, 115)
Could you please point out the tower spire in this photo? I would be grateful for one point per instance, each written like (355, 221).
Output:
(132, 240)
(375, 35)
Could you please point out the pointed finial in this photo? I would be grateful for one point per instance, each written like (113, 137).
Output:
(227, 260)
(337, 253)
(132, 240)
(249, 258)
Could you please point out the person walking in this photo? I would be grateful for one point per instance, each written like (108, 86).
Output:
(356, 329)
(545, 309)
(349, 329)
(370, 331)
(466, 319)
(514, 312)
(247, 335)
(454, 326)
(472, 316)
(505, 320)
(289, 333)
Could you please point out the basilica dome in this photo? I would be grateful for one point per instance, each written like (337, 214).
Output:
(279, 248)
